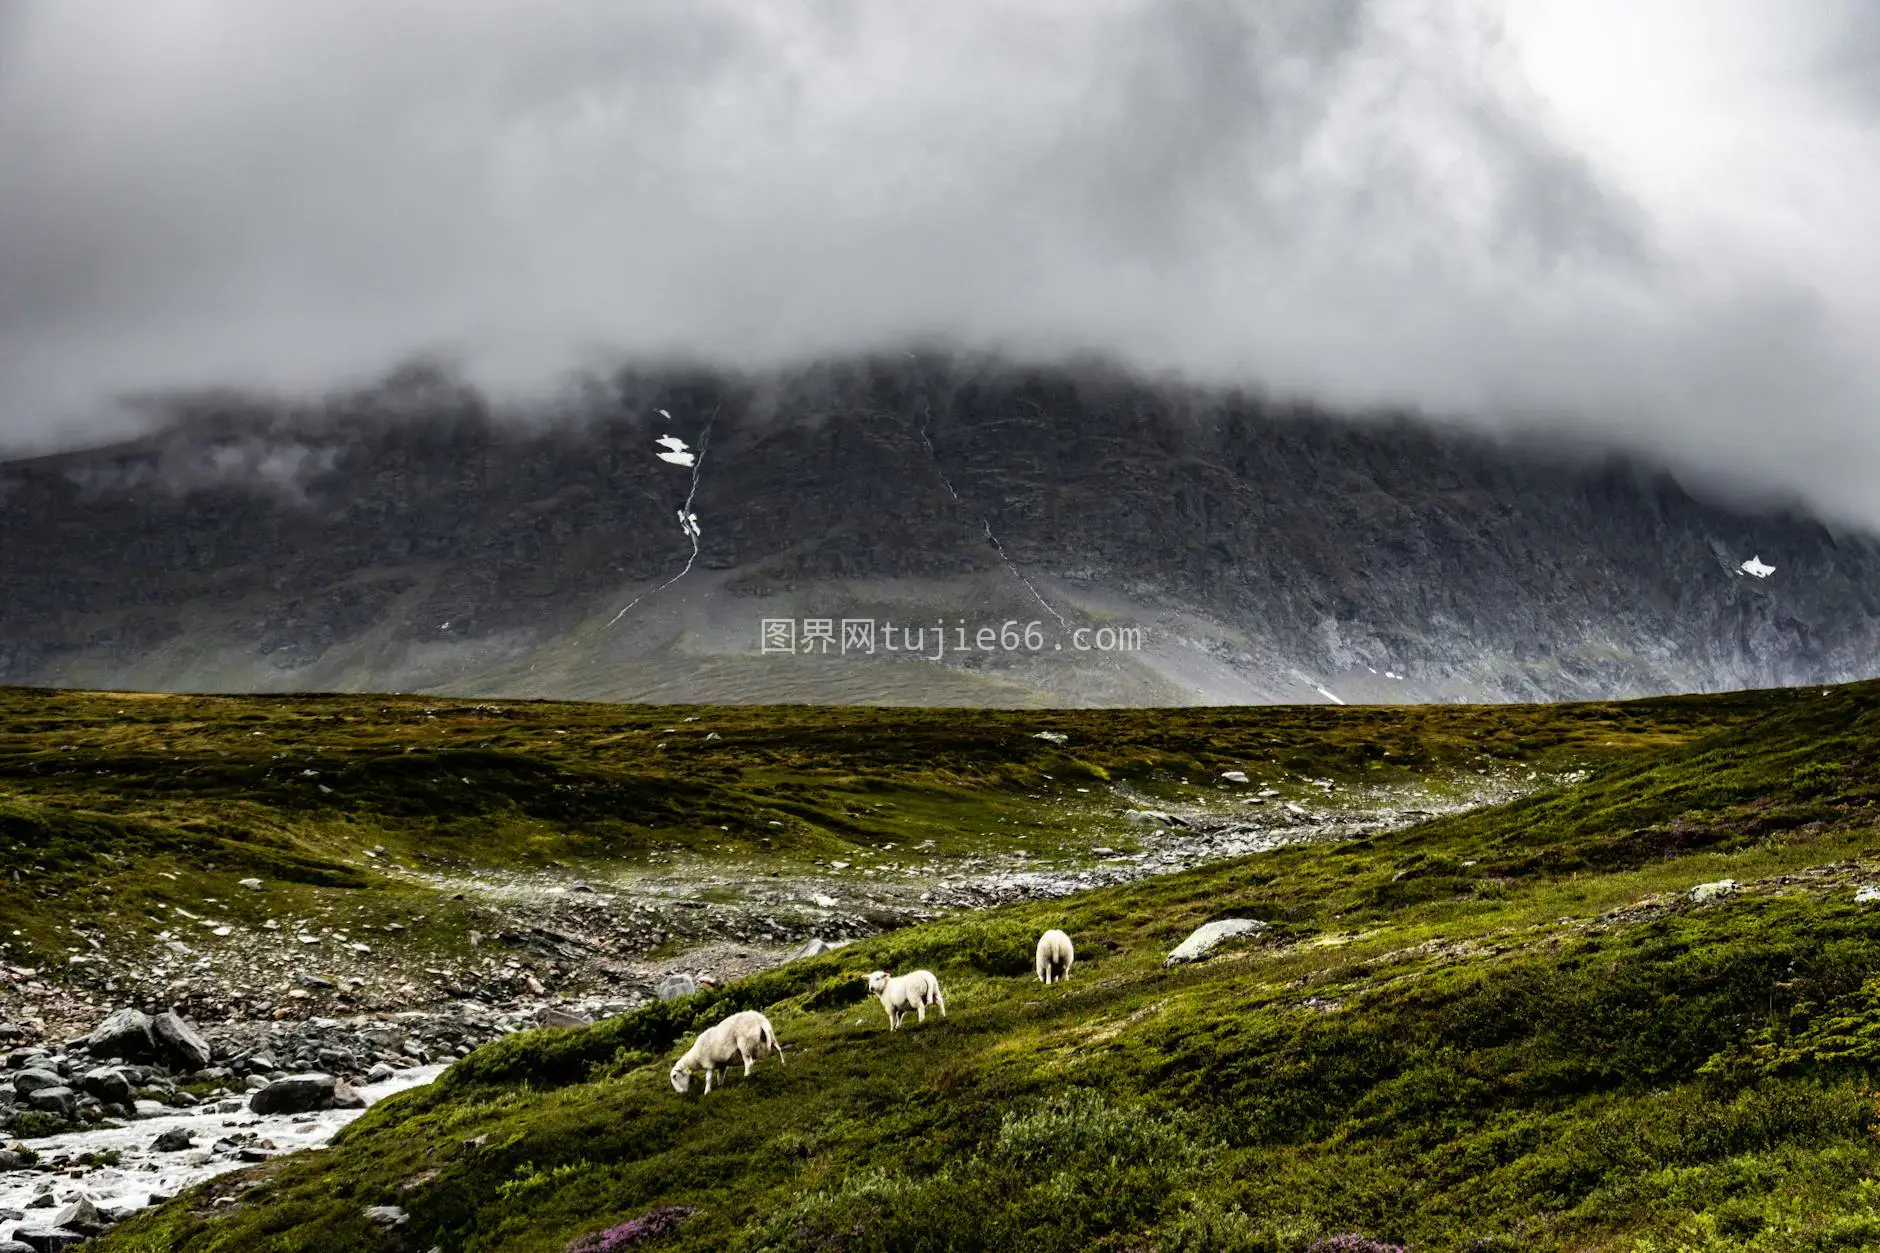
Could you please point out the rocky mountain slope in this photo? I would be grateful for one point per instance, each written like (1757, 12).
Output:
(411, 538)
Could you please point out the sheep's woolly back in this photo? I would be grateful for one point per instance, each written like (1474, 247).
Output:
(1055, 955)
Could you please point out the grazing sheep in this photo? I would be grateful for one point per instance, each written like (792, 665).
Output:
(747, 1035)
(916, 992)
(1055, 955)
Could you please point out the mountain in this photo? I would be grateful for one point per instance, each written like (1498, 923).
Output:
(415, 536)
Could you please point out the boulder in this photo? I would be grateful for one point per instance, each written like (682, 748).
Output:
(1713, 891)
(49, 1239)
(1234, 776)
(175, 1140)
(812, 947)
(61, 1101)
(181, 1044)
(109, 1085)
(1866, 895)
(345, 1096)
(81, 1216)
(386, 1216)
(32, 1079)
(1211, 936)
(296, 1094)
(675, 986)
(126, 1034)
(380, 1073)
(549, 1016)
(15, 1246)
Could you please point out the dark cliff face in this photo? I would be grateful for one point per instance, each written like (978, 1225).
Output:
(412, 517)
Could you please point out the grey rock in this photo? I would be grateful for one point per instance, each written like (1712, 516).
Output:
(31, 1080)
(15, 1246)
(379, 1073)
(175, 1140)
(812, 947)
(179, 1043)
(1713, 891)
(386, 1215)
(549, 1016)
(675, 985)
(126, 1034)
(61, 1101)
(81, 1216)
(296, 1094)
(1205, 939)
(49, 1239)
(108, 1084)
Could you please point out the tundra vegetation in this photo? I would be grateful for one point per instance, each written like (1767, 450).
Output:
(1510, 1028)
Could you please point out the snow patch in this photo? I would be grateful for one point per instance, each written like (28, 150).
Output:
(1754, 566)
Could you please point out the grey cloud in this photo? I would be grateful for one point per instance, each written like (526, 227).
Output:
(1367, 201)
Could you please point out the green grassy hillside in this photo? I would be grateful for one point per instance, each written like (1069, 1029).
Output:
(1508, 1029)
(113, 805)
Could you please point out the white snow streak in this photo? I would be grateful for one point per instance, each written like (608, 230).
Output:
(688, 521)
(1754, 566)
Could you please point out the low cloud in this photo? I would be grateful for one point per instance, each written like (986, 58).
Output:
(1642, 223)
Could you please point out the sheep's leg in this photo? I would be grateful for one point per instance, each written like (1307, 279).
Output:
(920, 1007)
(749, 1062)
(708, 1080)
(940, 1001)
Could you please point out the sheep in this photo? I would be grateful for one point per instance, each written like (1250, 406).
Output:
(916, 992)
(747, 1035)
(1054, 957)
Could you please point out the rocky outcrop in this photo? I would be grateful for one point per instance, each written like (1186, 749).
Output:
(1206, 939)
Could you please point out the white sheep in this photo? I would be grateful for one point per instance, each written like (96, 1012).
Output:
(1054, 957)
(747, 1035)
(916, 992)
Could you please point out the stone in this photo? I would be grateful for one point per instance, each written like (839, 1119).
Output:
(81, 1216)
(15, 1246)
(109, 1085)
(61, 1101)
(253, 885)
(1713, 891)
(579, 885)
(1205, 939)
(49, 1239)
(1867, 895)
(379, 1073)
(345, 1096)
(812, 947)
(549, 1016)
(676, 985)
(1052, 737)
(32, 1079)
(126, 1034)
(1235, 776)
(175, 1140)
(386, 1215)
(295, 1094)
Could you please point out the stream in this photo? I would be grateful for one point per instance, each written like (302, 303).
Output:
(142, 1171)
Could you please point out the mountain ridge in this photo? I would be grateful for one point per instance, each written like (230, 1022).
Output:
(411, 536)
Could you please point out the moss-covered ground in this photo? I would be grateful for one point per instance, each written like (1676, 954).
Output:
(1507, 1029)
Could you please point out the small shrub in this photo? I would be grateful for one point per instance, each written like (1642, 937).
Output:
(652, 1225)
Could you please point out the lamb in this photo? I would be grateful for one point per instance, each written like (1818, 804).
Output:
(1054, 957)
(916, 992)
(747, 1035)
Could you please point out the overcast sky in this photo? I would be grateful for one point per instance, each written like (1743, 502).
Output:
(1647, 218)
